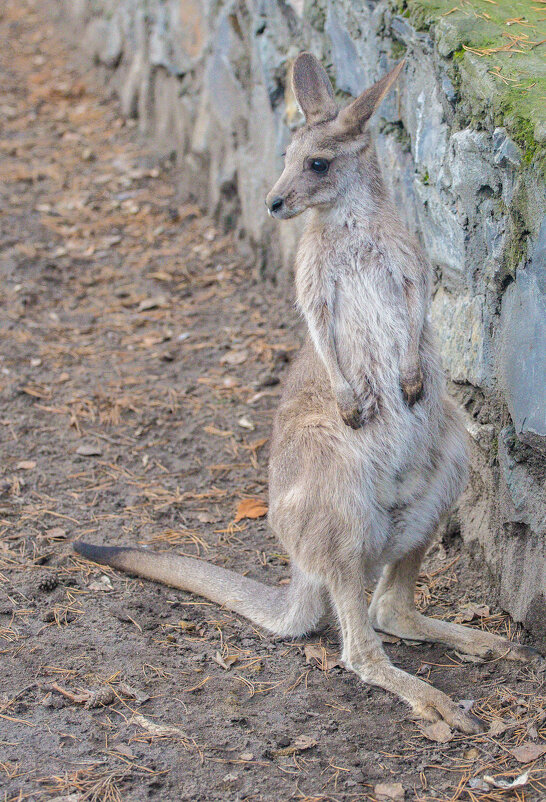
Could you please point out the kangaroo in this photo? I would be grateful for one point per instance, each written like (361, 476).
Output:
(367, 451)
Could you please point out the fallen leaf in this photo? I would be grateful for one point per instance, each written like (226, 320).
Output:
(160, 730)
(498, 726)
(303, 742)
(152, 339)
(478, 784)
(440, 732)
(88, 450)
(317, 655)
(57, 533)
(528, 752)
(250, 508)
(26, 465)
(470, 611)
(227, 661)
(207, 518)
(124, 750)
(151, 303)
(300, 744)
(186, 626)
(234, 358)
(387, 792)
(388, 638)
(506, 784)
(103, 583)
(471, 754)
(134, 693)
(469, 658)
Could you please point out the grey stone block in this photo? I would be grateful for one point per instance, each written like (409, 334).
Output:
(443, 232)
(522, 347)
(507, 152)
(459, 324)
(348, 67)
(522, 548)
(473, 177)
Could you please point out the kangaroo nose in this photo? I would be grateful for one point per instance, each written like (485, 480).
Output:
(276, 204)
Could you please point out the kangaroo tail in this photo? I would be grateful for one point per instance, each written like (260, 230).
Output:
(290, 611)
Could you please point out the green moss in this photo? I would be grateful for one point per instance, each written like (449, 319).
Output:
(494, 453)
(518, 232)
(398, 49)
(315, 14)
(522, 130)
(398, 131)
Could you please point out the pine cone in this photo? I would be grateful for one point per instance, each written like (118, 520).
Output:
(101, 697)
(48, 583)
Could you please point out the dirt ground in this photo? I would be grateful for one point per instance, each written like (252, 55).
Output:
(141, 363)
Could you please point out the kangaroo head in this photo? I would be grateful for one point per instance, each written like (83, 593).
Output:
(328, 156)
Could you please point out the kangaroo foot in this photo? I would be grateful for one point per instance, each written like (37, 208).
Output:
(428, 703)
(387, 616)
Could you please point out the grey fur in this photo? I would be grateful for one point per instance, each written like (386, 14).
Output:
(367, 451)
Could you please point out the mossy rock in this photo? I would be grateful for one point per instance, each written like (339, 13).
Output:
(499, 55)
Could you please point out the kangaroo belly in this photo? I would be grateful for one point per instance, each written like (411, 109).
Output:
(371, 330)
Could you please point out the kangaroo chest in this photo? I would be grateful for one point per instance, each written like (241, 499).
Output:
(370, 323)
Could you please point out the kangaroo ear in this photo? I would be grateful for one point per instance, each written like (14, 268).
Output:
(313, 89)
(356, 114)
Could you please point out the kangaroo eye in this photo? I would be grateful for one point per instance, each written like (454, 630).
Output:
(319, 165)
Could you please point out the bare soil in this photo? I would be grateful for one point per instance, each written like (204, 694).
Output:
(141, 364)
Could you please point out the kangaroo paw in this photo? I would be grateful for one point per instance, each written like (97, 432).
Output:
(349, 408)
(412, 387)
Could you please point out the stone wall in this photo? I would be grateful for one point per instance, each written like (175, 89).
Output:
(207, 81)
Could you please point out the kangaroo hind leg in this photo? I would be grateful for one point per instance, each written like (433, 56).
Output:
(363, 653)
(392, 608)
(393, 611)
